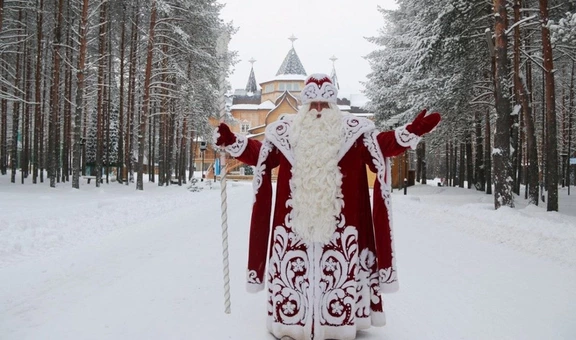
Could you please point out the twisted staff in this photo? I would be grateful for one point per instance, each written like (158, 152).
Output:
(224, 216)
(222, 48)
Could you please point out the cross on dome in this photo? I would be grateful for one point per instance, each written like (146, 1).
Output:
(292, 38)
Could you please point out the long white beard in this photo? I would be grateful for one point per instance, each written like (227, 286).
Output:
(316, 183)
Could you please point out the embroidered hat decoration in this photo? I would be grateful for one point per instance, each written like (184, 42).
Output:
(318, 87)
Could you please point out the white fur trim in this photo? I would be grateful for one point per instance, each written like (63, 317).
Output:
(326, 92)
(383, 169)
(215, 135)
(279, 330)
(279, 133)
(406, 138)
(352, 127)
(253, 283)
(388, 280)
(254, 287)
(387, 277)
(312, 93)
(238, 147)
(260, 168)
(378, 319)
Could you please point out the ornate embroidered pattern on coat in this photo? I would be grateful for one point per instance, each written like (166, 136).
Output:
(238, 147)
(332, 277)
(406, 138)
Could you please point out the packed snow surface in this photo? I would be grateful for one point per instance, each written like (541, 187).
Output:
(116, 263)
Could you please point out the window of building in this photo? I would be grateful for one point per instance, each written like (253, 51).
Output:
(269, 88)
(245, 126)
(289, 87)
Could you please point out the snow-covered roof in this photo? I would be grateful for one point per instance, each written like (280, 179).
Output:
(252, 86)
(344, 107)
(291, 64)
(267, 105)
(300, 77)
(245, 107)
(243, 92)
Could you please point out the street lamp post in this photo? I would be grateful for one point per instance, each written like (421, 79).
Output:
(202, 149)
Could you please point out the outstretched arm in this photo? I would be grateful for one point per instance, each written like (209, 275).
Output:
(238, 146)
(393, 143)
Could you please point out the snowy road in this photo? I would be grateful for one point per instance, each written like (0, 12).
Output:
(161, 278)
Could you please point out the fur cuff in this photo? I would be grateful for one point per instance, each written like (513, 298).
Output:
(405, 138)
(254, 287)
(388, 281)
(253, 283)
(238, 147)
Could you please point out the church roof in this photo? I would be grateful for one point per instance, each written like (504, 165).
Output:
(252, 86)
(291, 64)
(335, 78)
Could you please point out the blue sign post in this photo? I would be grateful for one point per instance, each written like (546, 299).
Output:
(217, 167)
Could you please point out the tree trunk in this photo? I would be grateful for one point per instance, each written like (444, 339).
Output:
(162, 147)
(419, 160)
(43, 151)
(26, 124)
(469, 161)
(480, 181)
(80, 95)
(1, 14)
(131, 93)
(570, 118)
(3, 113)
(192, 164)
(502, 163)
(120, 160)
(447, 174)
(4, 134)
(146, 99)
(551, 141)
(515, 119)
(108, 91)
(153, 149)
(55, 96)
(488, 154)
(454, 156)
(37, 93)
(67, 141)
(16, 107)
(462, 166)
(182, 172)
(100, 119)
(423, 162)
(171, 130)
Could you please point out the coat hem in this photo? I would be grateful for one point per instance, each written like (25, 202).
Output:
(254, 287)
(391, 287)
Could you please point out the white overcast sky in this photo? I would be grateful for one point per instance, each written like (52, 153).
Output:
(323, 27)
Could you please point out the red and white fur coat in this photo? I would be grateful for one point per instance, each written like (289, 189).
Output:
(324, 251)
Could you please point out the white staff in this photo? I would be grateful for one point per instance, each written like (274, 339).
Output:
(222, 47)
